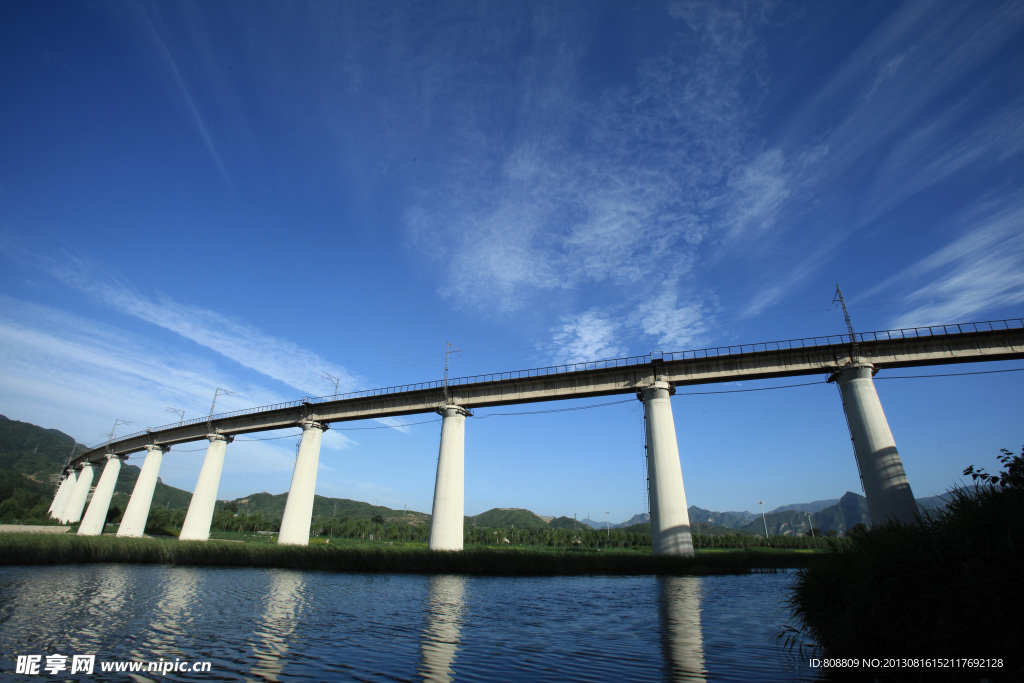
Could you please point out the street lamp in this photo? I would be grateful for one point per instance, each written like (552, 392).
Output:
(761, 503)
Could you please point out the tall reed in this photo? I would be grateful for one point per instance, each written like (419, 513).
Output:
(27, 549)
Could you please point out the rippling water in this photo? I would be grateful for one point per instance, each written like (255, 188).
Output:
(269, 624)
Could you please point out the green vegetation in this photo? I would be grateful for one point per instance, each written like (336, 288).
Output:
(947, 587)
(31, 459)
(364, 556)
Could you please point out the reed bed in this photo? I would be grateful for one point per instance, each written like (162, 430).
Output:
(947, 587)
(34, 549)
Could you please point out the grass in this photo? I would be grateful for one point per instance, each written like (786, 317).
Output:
(950, 586)
(399, 557)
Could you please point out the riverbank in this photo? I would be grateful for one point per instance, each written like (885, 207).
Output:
(33, 549)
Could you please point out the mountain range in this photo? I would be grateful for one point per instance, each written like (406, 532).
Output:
(31, 458)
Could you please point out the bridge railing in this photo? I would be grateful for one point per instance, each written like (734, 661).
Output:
(785, 345)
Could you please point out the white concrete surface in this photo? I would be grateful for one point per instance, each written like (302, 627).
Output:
(200, 511)
(881, 470)
(96, 516)
(670, 520)
(449, 488)
(67, 484)
(133, 522)
(76, 502)
(298, 509)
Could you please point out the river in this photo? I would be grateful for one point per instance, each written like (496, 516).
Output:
(273, 624)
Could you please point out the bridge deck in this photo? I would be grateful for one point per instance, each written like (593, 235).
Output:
(973, 342)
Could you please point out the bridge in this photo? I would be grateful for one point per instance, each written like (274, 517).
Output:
(849, 360)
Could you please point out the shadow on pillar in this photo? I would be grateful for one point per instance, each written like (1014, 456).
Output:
(892, 499)
(675, 540)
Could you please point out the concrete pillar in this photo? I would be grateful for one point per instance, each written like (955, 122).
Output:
(76, 502)
(450, 487)
(67, 484)
(200, 511)
(670, 520)
(96, 516)
(298, 509)
(881, 470)
(133, 523)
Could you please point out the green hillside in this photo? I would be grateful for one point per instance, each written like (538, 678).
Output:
(506, 518)
(272, 507)
(565, 523)
(31, 459)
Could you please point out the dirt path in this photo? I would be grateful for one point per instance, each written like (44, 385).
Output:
(32, 529)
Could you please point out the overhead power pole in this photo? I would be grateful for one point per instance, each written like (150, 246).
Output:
(448, 349)
(854, 349)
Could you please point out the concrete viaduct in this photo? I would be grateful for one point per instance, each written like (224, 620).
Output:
(849, 360)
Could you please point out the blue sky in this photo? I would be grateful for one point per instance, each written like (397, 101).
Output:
(197, 195)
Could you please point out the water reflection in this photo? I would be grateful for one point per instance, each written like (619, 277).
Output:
(440, 639)
(682, 641)
(281, 611)
(172, 616)
(268, 625)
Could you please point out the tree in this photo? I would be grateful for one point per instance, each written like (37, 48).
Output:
(1011, 477)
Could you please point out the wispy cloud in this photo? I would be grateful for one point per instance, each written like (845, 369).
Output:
(148, 24)
(279, 359)
(600, 192)
(981, 270)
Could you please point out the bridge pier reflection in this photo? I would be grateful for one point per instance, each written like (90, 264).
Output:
(440, 640)
(680, 627)
(200, 510)
(283, 606)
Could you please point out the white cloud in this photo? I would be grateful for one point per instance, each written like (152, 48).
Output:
(587, 336)
(608, 187)
(981, 270)
(276, 358)
(674, 327)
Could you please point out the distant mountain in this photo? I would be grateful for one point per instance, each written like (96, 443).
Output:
(730, 520)
(640, 518)
(849, 510)
(816, 506)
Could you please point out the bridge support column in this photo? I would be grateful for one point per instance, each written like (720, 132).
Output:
(298, 509)
(133, 523)
(448, 514)
(96, 516)
(881, 470)
(670, 520)
(76, 502)
(200, 511)
(67, 483)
